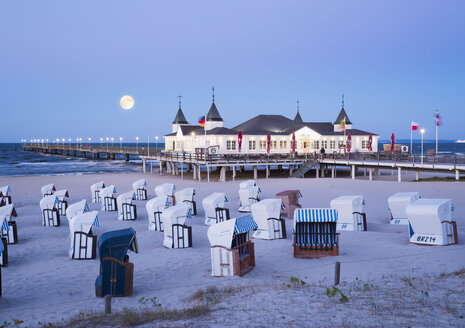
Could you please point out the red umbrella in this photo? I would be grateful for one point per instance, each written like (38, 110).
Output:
(268, 142)
(370, 141)
(349, 138)
(239, 140)
(293, 142)
(392, 142)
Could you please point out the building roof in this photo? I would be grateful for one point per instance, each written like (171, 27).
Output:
(200, 131)
(298, 118)
(213, 114)
(265, 123)
(341, 116)
(180, 118)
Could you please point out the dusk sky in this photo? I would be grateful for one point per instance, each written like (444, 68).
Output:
(64, 65)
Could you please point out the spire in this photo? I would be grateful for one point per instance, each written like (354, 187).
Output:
(298, 118)
(179, 97)
(213, 114)
(213, 94)
(180, 118)
(342, 115)
(343, 101)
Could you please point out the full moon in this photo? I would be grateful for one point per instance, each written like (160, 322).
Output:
(126, 102)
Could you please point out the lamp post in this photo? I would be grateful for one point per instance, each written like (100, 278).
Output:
(137, 145)
(63, 140)
(156, 144)
(112, 139)
(101, 142)
(422, 131)
(107, 143)
(120, 143)
(148, 145)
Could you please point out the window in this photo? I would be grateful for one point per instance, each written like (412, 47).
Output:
(324, 144)
(364, 144)
(341, 144)
(231, 145)
(262, 144)
(252, 145)
(273, 144)
(332, 144)
(316, 145)
(283, 144)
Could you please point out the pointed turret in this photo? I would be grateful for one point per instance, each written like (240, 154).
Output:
(180, 119)
(342, 121)
(298, 118)
(213, 119)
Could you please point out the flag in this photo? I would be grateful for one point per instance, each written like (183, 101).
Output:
(202, 121)
(437, 118)
(343, 124)
(414, 126)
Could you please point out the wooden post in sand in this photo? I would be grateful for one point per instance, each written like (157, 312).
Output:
(337, 273)
(108, 304)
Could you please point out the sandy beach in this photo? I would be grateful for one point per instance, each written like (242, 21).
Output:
(41, 284)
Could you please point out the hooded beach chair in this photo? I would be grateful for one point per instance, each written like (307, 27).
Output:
(213, 206)
(176, 233)
(166, 189)
(9, 228)
(76, 209)
(398, 204)
(83, 242)
(154, 208)
(350, 212)
(48, 190)
(140, 189)
(315, 233)
(50, 214)
(3, 253)
(95, 191)
(248, 195)
(116, 272)
(108, 198)
(186, 196)
(232, 251)
(290, 199)
(267, 214)
(5, 197)
(126, 209)
(63, 196)
(430, 222)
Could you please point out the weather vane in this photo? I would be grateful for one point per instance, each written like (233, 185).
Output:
(298, 106)
(213, 94)
(342, 100)
(179, 97)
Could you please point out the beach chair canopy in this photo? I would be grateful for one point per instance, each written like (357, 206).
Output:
(157, 204)
(347, 205)
(97, 186)
(186, 194)
(315, 215)
(62, 194)
(265, 209)
(84, 222)
(48, 189)
(139, 184)
(77, 208)
(165, 189)
(108, 191)
(247, 184)
(175, 215)
(211, 202)
(222, 233)
(7, 211)
(398, 203)
(49, 202)
(246, 193)
(426, 215)
(117, 243)
(127, 197)
(4, 191)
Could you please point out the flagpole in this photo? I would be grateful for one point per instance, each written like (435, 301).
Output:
(411, 136)
(437, 125)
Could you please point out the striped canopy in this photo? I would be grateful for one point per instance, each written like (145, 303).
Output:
(244, 224)
(315, 215)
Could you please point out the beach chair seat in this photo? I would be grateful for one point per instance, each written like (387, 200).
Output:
(50, 213)
(214, 208)
(126, 209)
(248, 197)
(222, 214)
(95, 191)
(176, 233)
(62, 195)
(108, 198)
(398, 205)
(186, 196)
(430, 222)
(9, 231)
(267, 214)
(154, 208)
(140, 189)
(350, 210)
(3, 252)
(83, 244)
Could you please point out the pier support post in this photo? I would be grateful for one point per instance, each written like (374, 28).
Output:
(144, 169)
(255, 175)
(353, 172)
(457, 175)
(333, 171)
(370, 174)
(291, 168)
(234, 173)
(175, 168)
(199, 173)
(322, 171)
(267, 170)
(208, 173)
(182, 169)
(194, 167)
(417, 175)
(160, 167)
(399, 174)
(222, 174)
(317, 172)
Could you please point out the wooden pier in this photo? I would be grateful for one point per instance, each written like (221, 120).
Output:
(289, 164)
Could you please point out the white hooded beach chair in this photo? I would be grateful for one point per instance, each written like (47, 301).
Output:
(63, 196)
(140, 189)
(430, 222)
(155, 207)
(76, 209)
(350, 212)
(213, 206)
(267, 214)
(247, 197)
(5, 198)
(232, 251)
(95, 191)
(315, 232)
(398, 204)
(9, 228)
(50, 214)
(48, 190)
(176, 233)
(108, 199)
(126, 209)
(166, 189)
(83, 242)
(186, 196)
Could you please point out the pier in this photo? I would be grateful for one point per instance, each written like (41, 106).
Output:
(295, 165)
